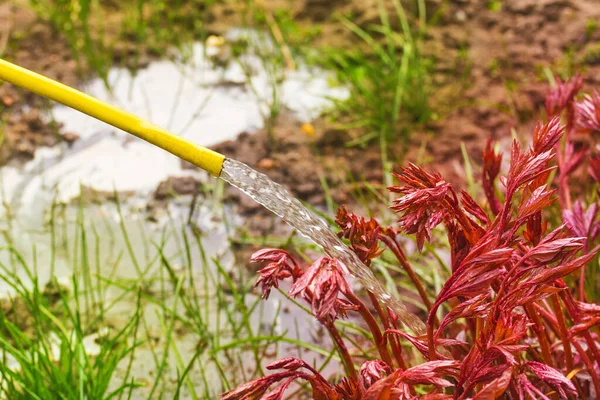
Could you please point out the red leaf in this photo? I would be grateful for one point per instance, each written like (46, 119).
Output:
(588, 308)
(582, 223)
(467, 309)
(321, 284)
(552, 377)
(363, 234)
(548, 251)
(248, 391)
(473, 208)
(280, 266)
(589, 113)
(422, 207)
(562, 95)
(496, 388)
(548, 276)
(491, 168)
(431, 373)
(536, 201)
(372, 371)
(290, 364)
(387, 389)
(594, 168)
(545, 136)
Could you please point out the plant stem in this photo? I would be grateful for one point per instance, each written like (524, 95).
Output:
(564, 333)
(576, 318)
(582, 284)
(342, 349)
(478, 327)
(394, 342)
(373, 327)
(393, 246)
(430, 339)
(589, 365)
(538, 328)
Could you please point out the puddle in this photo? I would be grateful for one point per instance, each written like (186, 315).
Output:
(195, 99)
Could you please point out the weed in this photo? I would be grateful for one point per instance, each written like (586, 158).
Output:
(56, 356)
(591, 26)
(494, 5)
(389, 83)
(273, 63)
(82, 24)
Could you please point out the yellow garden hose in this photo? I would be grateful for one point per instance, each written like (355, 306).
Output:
(208, 160)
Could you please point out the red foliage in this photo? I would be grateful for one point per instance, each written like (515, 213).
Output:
(363, 234)
(589, 113)
(511, 326)
(280, 266)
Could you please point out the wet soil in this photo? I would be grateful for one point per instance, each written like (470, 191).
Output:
(33, 45)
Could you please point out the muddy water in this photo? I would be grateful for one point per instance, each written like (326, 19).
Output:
(189, 96)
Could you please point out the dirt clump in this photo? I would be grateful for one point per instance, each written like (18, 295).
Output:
(23, 133)
(173, 186)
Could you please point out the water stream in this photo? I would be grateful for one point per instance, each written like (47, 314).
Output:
(275, 198)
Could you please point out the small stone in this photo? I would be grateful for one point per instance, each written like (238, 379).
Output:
(70, 137)
(306, 188)
(26, 148)
(8, 101)
(182, 185)
(461, 16)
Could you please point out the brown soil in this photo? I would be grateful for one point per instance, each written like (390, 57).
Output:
(301, 162)
(507, 50)
(32, 44)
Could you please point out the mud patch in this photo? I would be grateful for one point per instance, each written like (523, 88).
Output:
(506, 51)
(33, 45)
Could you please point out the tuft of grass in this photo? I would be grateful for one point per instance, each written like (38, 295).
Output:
(389, 83)
(127, 33)
(82, 24)
(45, 343)
(139, 314)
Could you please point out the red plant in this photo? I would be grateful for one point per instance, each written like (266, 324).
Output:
(589, 113)
(511, 325)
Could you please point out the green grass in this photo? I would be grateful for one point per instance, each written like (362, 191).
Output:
(102, 35)
(44, 331)
(82, 24)
(389, 85)
(183, 324)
